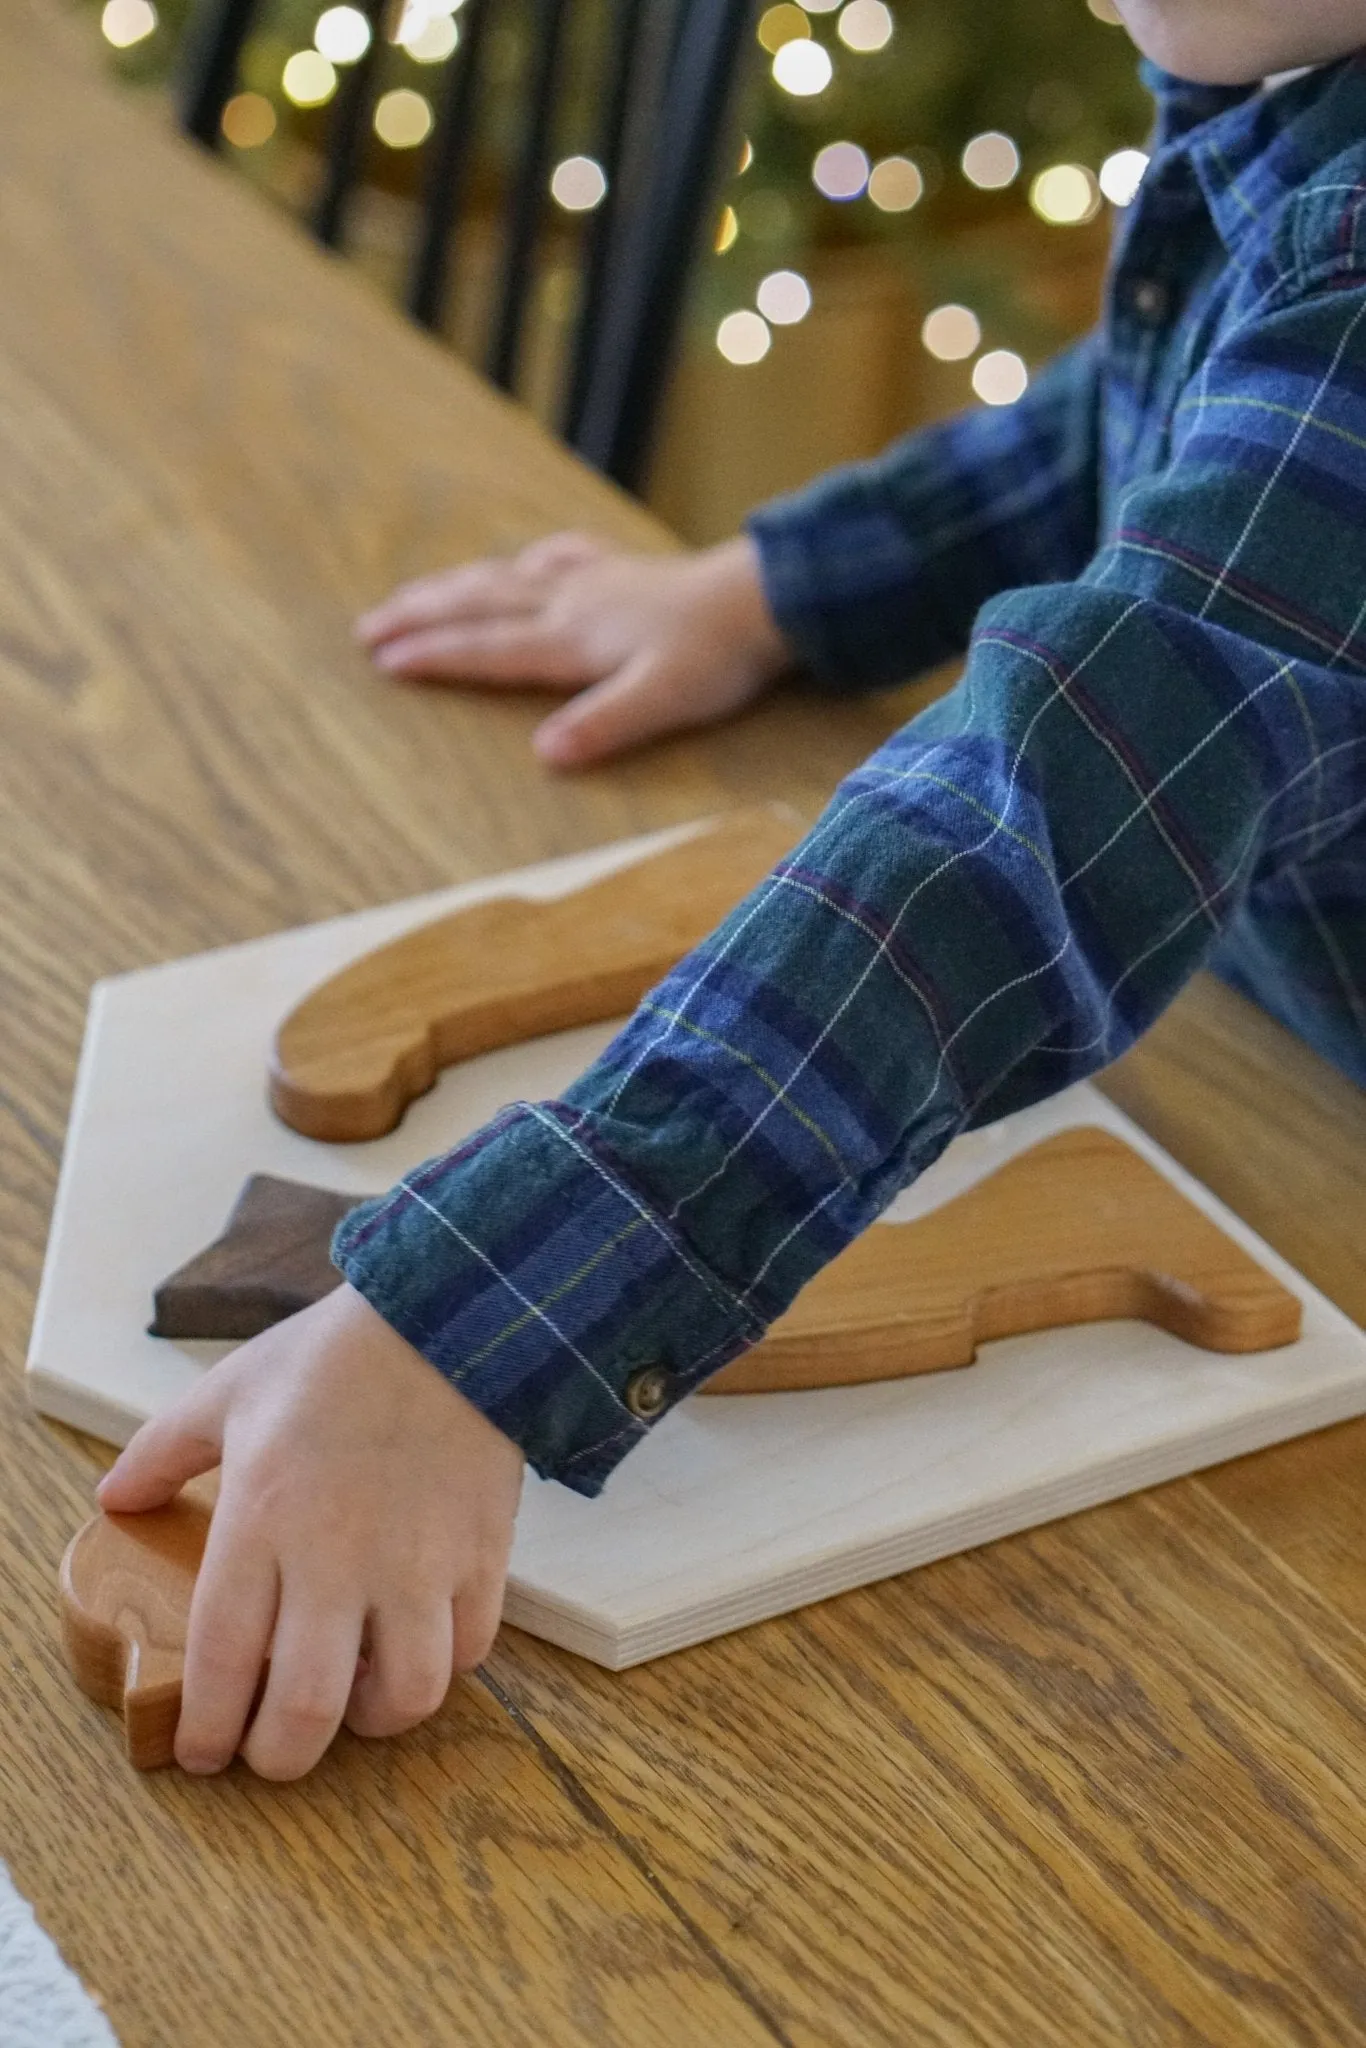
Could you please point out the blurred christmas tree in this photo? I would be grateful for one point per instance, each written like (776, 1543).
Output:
(978, 144)
(939, 130)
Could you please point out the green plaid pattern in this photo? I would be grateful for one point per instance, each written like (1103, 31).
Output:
(1155, 760)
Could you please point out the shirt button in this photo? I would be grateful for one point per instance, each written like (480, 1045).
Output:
(1149, 298)
(647, 1392)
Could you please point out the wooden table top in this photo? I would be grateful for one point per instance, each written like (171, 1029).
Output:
(1101, 1783)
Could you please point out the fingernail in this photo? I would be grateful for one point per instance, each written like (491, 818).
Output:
(201, 1766)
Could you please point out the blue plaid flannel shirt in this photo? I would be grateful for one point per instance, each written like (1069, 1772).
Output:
(1155, 760)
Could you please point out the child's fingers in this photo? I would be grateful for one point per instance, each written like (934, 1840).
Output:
(480, 590)
(560, 551)
(637, 703)
(409, 1671)
(177, 1446)
(507, 651)
(477, 1611)
(231, 1619)
(312, 1670)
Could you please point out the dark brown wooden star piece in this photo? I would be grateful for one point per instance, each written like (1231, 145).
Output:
(273, 1259)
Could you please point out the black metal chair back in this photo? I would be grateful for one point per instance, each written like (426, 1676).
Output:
(666, 96)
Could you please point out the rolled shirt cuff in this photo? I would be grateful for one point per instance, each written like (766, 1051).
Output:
(542, 1284)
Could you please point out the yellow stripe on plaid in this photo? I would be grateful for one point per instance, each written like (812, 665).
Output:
(538, 1308)
(774, 1087)
(1245, 403)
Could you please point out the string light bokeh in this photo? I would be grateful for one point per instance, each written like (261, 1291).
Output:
(949, 144)
(342, 34)
(127, 22)
(955, 142)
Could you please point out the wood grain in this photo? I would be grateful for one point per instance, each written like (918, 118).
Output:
(1078, 1229)
(319, 449)
(369, 1040)
(1096, 1784)
(1100, 1784)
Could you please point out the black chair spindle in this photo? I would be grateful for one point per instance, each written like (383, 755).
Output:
(207, 69)
(348, 131)
(647, 291)
(452, 151)
(667, 90)
(527, 197)
(625, 45)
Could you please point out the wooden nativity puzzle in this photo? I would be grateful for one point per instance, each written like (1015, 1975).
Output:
(1053, 1315)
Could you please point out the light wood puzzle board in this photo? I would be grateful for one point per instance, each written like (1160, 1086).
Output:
(733, 1510)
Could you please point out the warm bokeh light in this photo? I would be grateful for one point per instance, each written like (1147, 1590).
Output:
(803, 69)
(342, 34)
(865, 25)
(991, 161)
(840, 170)
(782, 24)
(1106, 10)
(1122, 174)
(895, 184)
(309, 79)
(248, 120)
(744, 338)
(727, 228)
(125, 22)
(952, 333)
(578, 184)
(432, 42)
(1065, 195)
(423, 26)
(822, 6)
(403, 118)
(1000, 377)
(784, 297)
(746, 157)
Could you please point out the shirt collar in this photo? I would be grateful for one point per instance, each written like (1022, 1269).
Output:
(1248, 147)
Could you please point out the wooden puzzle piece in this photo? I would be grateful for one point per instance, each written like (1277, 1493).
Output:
(126, 1586)
(273, 1258)
(1079, 1229)
(365, 1043)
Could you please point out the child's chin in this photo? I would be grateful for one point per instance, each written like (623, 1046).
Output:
(1204, 68)
(1198, 49)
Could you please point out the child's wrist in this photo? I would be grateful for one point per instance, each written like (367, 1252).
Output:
(732, 569)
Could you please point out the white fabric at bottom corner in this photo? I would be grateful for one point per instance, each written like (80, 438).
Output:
(43, 2004)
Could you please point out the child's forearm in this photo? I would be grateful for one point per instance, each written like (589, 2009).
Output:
(997, 903)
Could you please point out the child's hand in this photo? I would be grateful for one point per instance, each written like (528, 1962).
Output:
(365, 1513)
(653, 643)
